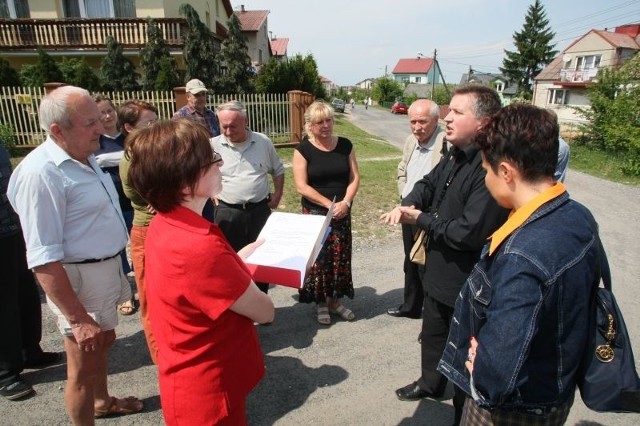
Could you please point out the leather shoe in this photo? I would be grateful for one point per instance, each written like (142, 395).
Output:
(413, 392)
(396, 312)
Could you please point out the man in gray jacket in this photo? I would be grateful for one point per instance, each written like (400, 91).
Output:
(423, 149)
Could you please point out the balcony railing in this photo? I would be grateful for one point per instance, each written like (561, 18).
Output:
(578, 76)
(78, 33)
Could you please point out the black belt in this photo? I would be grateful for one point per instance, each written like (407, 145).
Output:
(92, 260)
(246, 206)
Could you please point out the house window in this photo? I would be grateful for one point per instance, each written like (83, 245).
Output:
(418, 79)
(499, 86)
(587, 62)
(99, 8)
(14, 9)
(558, 97)
(259, 56)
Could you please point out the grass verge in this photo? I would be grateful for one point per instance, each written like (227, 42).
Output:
(600, 164)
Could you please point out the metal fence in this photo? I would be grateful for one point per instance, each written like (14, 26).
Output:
(268, 113)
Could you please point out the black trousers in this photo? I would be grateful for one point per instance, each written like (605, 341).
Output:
(413, 292)
(242, 226)
(436, 321)
(20, 312)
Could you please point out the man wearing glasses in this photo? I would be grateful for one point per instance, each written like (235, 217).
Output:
(196, 108)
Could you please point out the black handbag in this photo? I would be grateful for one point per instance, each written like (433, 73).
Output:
(608, 380)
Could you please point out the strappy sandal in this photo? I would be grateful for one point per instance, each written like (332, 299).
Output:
(119, 407)
(344, 313)
(127, 308)
(323, 314)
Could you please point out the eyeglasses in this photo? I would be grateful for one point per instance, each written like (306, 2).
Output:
(216, 159)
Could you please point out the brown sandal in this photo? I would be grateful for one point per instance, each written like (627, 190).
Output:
(128, 405)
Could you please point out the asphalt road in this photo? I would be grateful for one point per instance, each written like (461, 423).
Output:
(347, 373)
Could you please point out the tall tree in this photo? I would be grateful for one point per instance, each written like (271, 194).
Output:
(199, 48)
(298, 73)
(236, 72)
(156, 56)
(116, 71)
(8, 76)
(533, 50)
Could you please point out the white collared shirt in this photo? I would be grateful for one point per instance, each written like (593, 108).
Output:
(69, 211)
(246, 166)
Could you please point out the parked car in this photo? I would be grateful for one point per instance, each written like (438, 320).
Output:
(338, 105)
(399, 108)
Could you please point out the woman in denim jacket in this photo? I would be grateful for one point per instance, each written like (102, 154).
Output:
(520, 324)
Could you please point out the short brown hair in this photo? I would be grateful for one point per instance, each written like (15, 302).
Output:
(166, 158)
(526, 136)
(129, 112)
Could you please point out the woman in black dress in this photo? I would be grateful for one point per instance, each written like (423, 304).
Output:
(324, 169)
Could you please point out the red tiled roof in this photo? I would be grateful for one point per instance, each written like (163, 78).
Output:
(279, 46)
(618, 39)
(251, 20)
(413, 66)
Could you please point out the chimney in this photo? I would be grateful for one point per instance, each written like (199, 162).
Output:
(242, 8)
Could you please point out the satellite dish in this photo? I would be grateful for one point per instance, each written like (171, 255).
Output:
(566, 58)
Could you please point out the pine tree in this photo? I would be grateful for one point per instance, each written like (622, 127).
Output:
(235, 61)
(116, 71)
(533, 50)
(45, 70)
(199, 48)
(167, 77)
(77, 72)
(156, 56)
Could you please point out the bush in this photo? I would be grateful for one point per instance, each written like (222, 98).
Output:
(8, 138)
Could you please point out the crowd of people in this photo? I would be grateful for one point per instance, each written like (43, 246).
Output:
(191, 194)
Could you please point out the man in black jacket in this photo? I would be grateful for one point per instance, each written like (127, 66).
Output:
(454, 206)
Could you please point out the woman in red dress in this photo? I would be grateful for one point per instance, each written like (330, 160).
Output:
(202, 300)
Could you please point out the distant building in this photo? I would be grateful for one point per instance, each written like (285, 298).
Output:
(416, 70)
(279, 48)
(367, 83)
(329, 86)
(79, 28)
(256, 28)
(506, 90)
(563, 83)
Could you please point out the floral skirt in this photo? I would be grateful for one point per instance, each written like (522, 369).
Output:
(330, 275)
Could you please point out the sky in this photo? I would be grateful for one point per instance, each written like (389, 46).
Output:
(352, 40)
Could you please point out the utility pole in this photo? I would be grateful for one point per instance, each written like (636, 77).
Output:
(433, 80)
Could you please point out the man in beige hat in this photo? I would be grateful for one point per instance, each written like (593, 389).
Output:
(196, 108)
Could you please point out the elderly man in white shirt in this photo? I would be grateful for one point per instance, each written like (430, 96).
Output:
(422, 151)
(74, 232)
